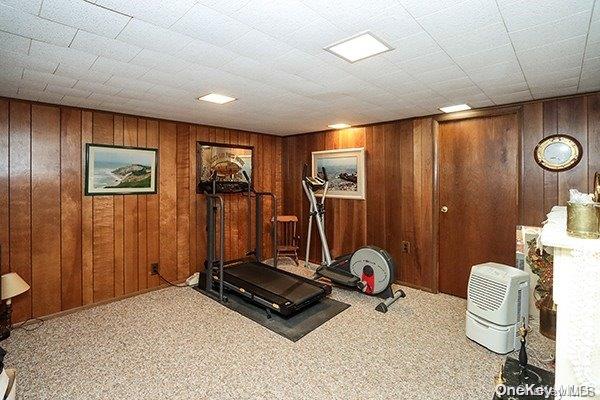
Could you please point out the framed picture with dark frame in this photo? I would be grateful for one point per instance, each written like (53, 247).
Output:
(223, 167)
(120, 170)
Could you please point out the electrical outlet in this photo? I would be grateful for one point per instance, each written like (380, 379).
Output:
(405, 247)
(154, 270)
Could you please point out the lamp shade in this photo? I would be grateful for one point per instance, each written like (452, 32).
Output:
(13, 285)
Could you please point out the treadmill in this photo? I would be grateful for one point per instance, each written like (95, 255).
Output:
(268, 286)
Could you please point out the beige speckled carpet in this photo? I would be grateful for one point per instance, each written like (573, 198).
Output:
(177, 344)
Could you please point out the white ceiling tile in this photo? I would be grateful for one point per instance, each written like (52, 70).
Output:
(43, 77)
(496, 71)
(313, 37)
(210, 26)
(505, 89)
(594, 33)
(203, 53)
(58, 54)
(352, 12)
(426, 63)
(464, 84)
(8, 58)
(31, 84)
(24, 24)
(114, 67)
(133, 94)
(128, 83)
(554, 93)
(67, 91)
(167, 91)
(258, 46)
(487, 57)
(396, 79)
(11, 73)
(411, 47)
(85, 15)
(488, 37)
(486, 82)
(551, 65)
(9, 91)
(573, 47)
(540, 35)
(589, 85)
(225, 6)
(591, 68)
(524, 95)
(162, 78)
(83, 74)
(592, 50)
(550, 85)
(524, 13)
(143, 34)
(37, 95)
(29, 6)
(394, 24)
(556, 76)
(14, 43)
(160, 61)
(103, 46)
(159, 12)
(369, 68)
(96, 88)
(420, 8)
(275, 17)
(462, 18)
(440, 75)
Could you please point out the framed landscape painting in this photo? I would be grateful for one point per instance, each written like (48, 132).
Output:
(120, 170)
(345, 170)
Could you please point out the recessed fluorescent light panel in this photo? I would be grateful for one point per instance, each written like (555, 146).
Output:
(358, 47)
(217, 98)
(458, 107)
(339, 126)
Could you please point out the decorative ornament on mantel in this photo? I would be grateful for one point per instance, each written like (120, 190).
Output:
(541, 265)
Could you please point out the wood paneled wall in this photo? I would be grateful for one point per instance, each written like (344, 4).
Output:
(76, 250)
(399, 167)
(400, 185)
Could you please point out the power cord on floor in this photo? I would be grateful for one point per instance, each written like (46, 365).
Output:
(171, 283)
(30, 325)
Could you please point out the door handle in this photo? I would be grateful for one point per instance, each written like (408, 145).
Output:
(444, 209)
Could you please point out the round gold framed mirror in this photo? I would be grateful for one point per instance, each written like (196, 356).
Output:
(558, 152)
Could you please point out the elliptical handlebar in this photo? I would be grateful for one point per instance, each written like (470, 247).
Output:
(325, 178)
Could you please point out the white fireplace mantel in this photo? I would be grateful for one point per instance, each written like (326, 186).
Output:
(577, 297)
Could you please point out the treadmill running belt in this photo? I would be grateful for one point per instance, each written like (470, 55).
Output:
(280, 284)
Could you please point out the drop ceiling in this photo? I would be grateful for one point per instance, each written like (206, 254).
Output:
(155, 58)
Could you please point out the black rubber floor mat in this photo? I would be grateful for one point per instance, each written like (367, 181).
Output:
(294, 327)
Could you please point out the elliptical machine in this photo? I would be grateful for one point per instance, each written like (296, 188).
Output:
(368, 269)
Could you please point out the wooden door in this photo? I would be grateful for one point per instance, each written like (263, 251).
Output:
(478, 196)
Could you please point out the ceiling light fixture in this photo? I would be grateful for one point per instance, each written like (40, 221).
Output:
(358, 47)
(458, 107)
(339, 126)
(217, 98)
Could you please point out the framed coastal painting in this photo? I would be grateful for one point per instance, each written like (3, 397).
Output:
(120, 170)
(345, 169)
(223, 168)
